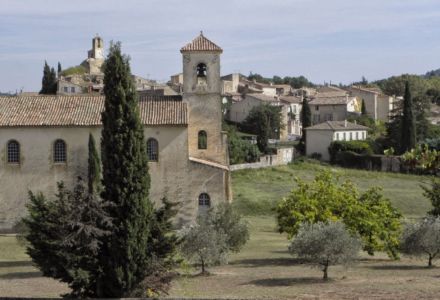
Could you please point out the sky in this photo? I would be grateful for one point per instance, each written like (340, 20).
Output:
(336, 41)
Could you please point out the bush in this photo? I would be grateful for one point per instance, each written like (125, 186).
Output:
(325, 244)
(359, 147)
(77, 70)
(241, 151)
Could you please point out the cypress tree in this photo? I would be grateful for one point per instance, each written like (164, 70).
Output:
(59, 69)
(52, 82)
(45, 82)
(94, 168)
(125, 261)
(408, 132)
(363, 108)
(306, 120)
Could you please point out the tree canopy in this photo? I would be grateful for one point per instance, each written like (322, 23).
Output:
(325, 199)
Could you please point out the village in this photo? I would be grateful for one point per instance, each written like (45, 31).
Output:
(213, 184)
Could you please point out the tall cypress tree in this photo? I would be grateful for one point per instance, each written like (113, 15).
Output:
(94, 168)
(363, 108)
(126, 182)
(46, 81)
(59, 69)
(408, 132)
(306, 121)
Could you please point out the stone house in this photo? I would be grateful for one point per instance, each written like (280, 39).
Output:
(320, 136)
(378, 105)
(333, 107)
(43, 140)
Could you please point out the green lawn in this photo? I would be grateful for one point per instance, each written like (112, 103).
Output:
(257, 191)
(265, 269)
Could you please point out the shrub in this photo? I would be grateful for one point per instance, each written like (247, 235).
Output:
(359, 147)
(325, 244)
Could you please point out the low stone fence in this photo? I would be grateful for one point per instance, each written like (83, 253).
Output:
(283, 157)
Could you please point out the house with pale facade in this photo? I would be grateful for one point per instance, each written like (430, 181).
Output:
(333, 107)
(320, 136)
(378, 105)
(44, 140)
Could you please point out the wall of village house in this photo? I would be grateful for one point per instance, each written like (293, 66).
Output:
(322, 113)
(370, 100)
(240, 110)
(384, 107)
(318, 141)
(173, 175)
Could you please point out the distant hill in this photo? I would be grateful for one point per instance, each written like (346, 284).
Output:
(433, 73)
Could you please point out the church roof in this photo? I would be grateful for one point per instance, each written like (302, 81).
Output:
(201, 43)
(85, 111)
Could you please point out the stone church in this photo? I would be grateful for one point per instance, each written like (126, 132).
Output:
(43, 140)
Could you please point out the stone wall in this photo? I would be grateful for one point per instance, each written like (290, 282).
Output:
(283, 157)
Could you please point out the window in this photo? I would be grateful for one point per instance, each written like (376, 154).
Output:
(357, 135)
(317, 107)
(59, 152)
(204, 200)
(13, 152)
(351, 136)
(152, 150)
(203, 140)
(72, 89)
(201, 70)
(66, 89)
(345, 137)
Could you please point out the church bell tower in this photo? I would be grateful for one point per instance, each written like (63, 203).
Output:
(202, 93)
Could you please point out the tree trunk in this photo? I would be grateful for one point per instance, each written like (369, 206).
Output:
(430, 261)
(325, 272)
(203, 266)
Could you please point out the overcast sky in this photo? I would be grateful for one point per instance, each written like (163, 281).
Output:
(324, 40)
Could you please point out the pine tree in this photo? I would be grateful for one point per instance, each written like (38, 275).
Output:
(94, 168)
(408, 132)
(363, 108)
(125, 258)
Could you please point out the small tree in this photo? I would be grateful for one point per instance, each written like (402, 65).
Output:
(203, 244)
(64, 236)
(226, 220)
(433, 194)
(325, 244)
(422, 238)
(94, 168)
(369, 214)
(266, 122)
(408, 133)
(306, 121)
(363, 108)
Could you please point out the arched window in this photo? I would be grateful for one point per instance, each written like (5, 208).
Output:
(204, 200)
(59, 151)
(201, 70)
(13, 152)
(203, 140)
(152, 150)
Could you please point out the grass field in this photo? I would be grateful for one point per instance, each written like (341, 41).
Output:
(264, 269)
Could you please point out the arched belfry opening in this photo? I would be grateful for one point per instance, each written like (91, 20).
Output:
(201, 73)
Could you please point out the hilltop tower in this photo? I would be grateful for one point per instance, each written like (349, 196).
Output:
(202, 93)
(96, 56)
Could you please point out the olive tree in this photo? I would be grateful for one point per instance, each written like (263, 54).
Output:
(325, 244)
(216, 233)
(422, 239)
(203, 245)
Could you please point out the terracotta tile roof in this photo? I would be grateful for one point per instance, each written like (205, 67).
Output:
(338, 100)
(263, 97)
(84, 111)
(201, 43)
(337, 126)
(291, 99)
